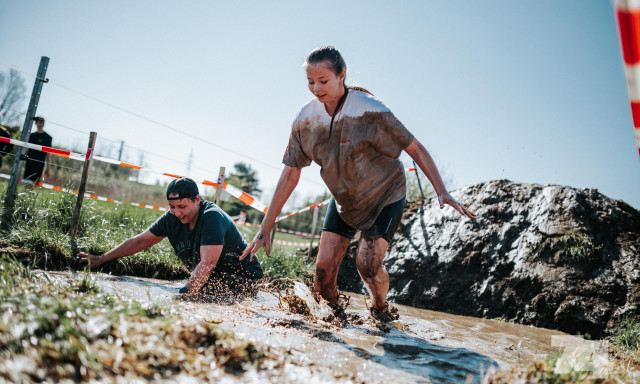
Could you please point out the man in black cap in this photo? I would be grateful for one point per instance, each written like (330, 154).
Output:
(37, 161)
(203, 236)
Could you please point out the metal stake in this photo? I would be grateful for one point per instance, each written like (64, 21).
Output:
(9, 200)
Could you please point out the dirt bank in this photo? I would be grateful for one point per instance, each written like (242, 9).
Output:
(542, 255)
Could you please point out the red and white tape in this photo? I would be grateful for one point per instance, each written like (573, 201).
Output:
(290, 243)
(233, 191)
(628, 17)
(87, 194)
(303, 210)
(247, 224)
(303, 234)
(246, 198)
(53, 151)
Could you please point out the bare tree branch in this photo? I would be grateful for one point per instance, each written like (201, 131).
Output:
(12, 95)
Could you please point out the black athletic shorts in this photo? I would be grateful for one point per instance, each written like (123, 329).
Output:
(385, 225)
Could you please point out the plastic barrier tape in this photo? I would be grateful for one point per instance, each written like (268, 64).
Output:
(89, 195)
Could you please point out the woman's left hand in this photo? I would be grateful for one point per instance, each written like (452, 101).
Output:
(446, 198)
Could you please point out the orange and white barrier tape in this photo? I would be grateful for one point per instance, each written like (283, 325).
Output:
(239, 194)
(89, 195)
(628, 16)
(233, 191)
(247, 224)
(290, 243)
(246, 198)
(53, 151)
(303, 234)
(303, 210)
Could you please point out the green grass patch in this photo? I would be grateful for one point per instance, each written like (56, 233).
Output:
(54, 329)
(570, 248)
(41, 223)
(285, 263)
(627, 338)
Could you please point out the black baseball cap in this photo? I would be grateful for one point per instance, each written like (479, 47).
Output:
(183, 187)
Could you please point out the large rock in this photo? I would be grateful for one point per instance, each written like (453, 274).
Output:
(549, 256)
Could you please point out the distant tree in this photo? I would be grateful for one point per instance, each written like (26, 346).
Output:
(245, 178)
(12, 94)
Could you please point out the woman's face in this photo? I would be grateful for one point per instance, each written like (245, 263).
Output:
(324, 84)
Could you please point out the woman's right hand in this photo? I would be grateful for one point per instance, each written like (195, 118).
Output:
(262, 239)
(96, 260)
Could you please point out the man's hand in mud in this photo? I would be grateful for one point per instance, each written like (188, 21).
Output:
(446, 198)
(262, 239)
(84, 258)
(183, 294)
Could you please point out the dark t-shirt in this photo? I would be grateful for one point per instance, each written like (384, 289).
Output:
(41, 139)
(5, 147)
(213, 227)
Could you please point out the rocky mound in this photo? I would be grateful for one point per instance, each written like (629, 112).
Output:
(548, 256)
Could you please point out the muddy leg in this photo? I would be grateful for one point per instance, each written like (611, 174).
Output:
(369, 263)
(330, 255)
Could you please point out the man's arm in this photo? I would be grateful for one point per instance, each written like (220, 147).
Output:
(128, 247)
(209, 256)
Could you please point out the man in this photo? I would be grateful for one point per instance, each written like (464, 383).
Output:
(37, 160)
(203, 236)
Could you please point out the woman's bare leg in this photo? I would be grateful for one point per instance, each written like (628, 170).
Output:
(369, 263)
(330, 255)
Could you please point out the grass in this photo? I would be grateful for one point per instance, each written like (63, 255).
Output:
(41, 223)
(628, 335)
(572, 248)
(59, 331)
(39, 236)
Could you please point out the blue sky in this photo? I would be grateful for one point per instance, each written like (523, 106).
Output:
(527, 91)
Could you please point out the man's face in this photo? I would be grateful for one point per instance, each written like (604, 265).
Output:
(40, 124)
(185, 210)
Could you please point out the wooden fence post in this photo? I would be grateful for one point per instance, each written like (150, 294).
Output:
(313, 228)
(81, 190)
(220, 183)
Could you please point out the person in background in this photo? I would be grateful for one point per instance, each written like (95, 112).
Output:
(203, 237)
(37, 161)
(356, 140)
(5, 148)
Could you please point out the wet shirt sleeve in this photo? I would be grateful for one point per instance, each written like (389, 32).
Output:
(392, 137)
(159, 227)
(214, 229)
(294, 155)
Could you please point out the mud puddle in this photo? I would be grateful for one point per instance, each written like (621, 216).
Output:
(425, 347)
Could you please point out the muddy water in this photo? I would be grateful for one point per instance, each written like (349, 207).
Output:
(426, 346)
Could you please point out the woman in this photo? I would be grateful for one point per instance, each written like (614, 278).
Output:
(356, 140)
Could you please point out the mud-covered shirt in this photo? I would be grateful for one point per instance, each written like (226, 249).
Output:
(358, 158)
(213, 227)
